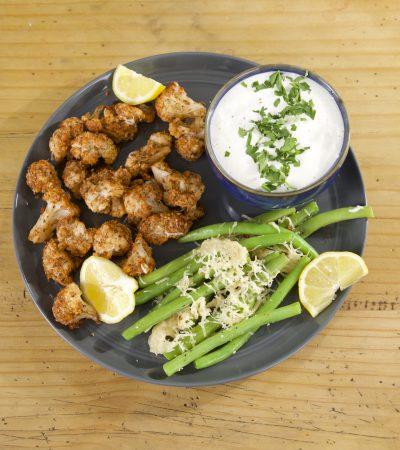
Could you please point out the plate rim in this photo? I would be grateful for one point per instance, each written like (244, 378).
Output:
(174, 382)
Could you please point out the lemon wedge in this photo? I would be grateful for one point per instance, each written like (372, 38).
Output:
(133, 88)
(108, 289)
(327, 273)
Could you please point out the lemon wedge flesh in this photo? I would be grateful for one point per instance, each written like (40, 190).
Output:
(133, 88)
(108, 289)
(327, 273)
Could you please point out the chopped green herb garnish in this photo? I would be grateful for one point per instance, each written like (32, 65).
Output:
(242, 132)
(227, 154)
(244, 84)
(277, 150)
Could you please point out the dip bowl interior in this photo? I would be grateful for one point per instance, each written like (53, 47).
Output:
(271, 200)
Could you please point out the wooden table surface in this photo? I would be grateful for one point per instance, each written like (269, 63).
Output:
(343, 390)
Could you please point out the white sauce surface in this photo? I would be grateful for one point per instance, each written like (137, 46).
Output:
(324, 135)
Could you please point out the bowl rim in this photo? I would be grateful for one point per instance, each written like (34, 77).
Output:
(284, 68)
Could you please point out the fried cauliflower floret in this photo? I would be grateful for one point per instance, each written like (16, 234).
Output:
(58, 264)
(73, 236)
(118, 121)
(189, 134)
(89, 147)
(60, 141)
(182, 190)
(158, 147)
(195, 213)
(142, 200)
(69, 309)
(139, 260)
(73, 176)
(159, 228)
(112, 239)
(102, 191)
(174, 103)
(59, 206)
(42, 176)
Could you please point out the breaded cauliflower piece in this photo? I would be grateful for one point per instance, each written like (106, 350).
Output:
(159, 228)
(158, 147)
(189, 134)
(73, 236)
(58, 264)
(70, 309)
(112, 239)
(42, 176)
(102, 191)
(73, 176)
(118, 121)
(60, 141)
(59, 206)
(139, 260)
(195, 213)
(174, 103)
(142, 200)
(89, 147)
(182, 190)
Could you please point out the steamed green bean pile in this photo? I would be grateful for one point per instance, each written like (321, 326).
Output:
(202, 315)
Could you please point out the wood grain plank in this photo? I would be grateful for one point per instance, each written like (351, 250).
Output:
(342, 391)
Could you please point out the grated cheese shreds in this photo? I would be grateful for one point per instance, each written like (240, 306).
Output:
(276, 226)
(246, 285)
(355, 209)
(184, 284)
(289, 223)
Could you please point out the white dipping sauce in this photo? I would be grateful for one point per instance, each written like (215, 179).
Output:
(324, 134)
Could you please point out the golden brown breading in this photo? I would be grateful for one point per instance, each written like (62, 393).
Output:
(174, 103)
(73, 176)
(112, 239)
(189, 134)
(60, 141)
(42, 176)
(142, 200)
(89, 147)
(69, 309)
(182, 190)
(159, 228)
(58, 264)
(158, 147)
(195, 213)
(73, 236)
(102, 191)
(139, 260)
(59, 206)
(118, 121)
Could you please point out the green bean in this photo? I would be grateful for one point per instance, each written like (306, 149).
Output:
(165, 270)
(273, 264)
(324, 219)
(166, 311)
(196, 279)
(161, 286)
(271, 216)
(229, 228)
(300, 216)
(227, 335)
(268, 240)
(270, 304)
(224, 352)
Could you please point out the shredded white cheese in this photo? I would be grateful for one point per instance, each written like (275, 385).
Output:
(356, 209)
(246, 284)
(276, 226)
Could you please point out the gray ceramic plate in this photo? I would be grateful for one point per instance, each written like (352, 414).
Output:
(202, 74)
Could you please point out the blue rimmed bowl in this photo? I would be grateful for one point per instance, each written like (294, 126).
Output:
(272, 200)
